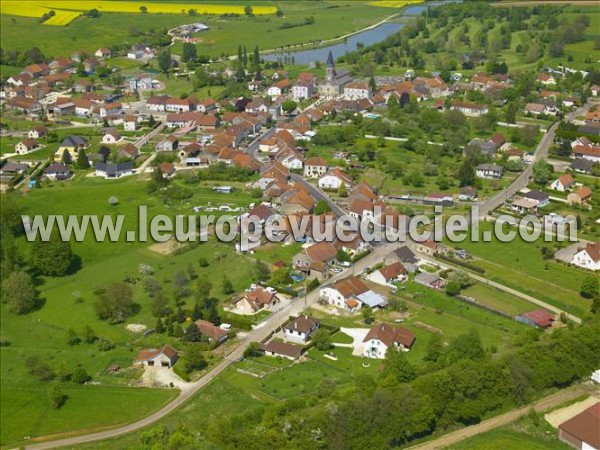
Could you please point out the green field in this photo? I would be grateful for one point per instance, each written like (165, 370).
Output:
(509, 438)
(519, 264)
(332, 19)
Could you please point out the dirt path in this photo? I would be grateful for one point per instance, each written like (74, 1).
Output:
(541, 405)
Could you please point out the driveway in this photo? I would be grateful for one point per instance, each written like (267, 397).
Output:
(358, 334)
(161, 377)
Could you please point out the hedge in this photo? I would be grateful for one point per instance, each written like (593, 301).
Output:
(462, 263)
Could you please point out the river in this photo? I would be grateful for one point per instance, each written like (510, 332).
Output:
(367, 37)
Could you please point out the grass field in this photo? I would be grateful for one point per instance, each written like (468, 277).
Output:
(332, 19)
(67, 11)
(519, 264)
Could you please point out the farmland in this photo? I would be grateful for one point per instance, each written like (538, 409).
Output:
(67, 11)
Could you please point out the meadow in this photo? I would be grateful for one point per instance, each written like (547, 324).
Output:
(332, 20)
(68, 304)
(519, 264)
(67, 11)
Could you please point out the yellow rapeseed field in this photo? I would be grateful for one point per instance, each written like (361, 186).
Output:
(394, 3)
(68, 10)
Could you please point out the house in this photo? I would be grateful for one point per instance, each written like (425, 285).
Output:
(334, 178)
(582, 165)
(492, 171)
(281, 349)
(300, 329)
(72, 144)
(467, 193)
(357, 90)
(113, 170)
(563, 183)
(382, 337)
(430, 280)
(590, 152)
(335, 79)
(353, 247)
(128, 151)
(26, 146)
(130, 122)
(279, 88)
(103, 52)
(303, 89)
(388, 275)
(583, 430)
(12, 168)
(38, 132)
(535, 108)
(157, 103)
(165, 356)
(57, 172)
(470, 109)
(523, 206)
(541, 198)
(428, 247)
(315, 167)
(588, 257)
(498, 140)
(167, 169)
(169, 144)
(213, 333)
(406, 256)
(546, 79)
(581, 195)
(351, 294)
(256, 300)
(322, 254)
(111, 109)
(111, 136)
(539, 318)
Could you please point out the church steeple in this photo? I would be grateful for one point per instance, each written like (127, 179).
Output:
(330, 69)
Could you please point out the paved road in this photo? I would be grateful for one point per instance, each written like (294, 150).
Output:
(544, 404)
(277, 319)
(145, 138)
(318, 194)
(522, 180)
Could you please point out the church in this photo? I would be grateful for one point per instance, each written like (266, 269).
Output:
(335, 80)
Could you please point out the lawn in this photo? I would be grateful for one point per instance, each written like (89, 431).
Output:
(497, 299)
(271, 253)
(506, 438)
(519, 264)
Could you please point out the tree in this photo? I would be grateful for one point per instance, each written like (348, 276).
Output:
(321, 339)
(115, 303)
(226, 286)
(151, 121)
(192, 333)
(466, 346)
(143, 9)
(188, 52)
(82, 161)
(164, 59)
(66, 157)
(434, 349)
(52, 258)
(466, 173)
(322, 207)
(18, 292)
(203, 287)
(56, 396)
(261, 271)
(367, 314)
(542, 171)
(590, 287)
(93, 13)
(248, 11)
(73, 338)
(279, 13)
(89, 336)
(343, 191)
(289, 106)
(452, 288)
(80, 376)
(397, 368)
(253, 350)
(194, 359)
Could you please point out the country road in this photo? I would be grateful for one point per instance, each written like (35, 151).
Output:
(258, 334)
(544, 404)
